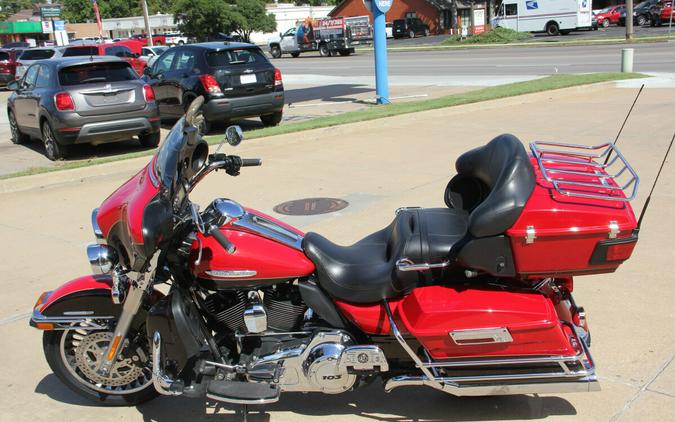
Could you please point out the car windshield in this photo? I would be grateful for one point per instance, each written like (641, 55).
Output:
(96, 72)
(37, 54)
(168, 153)
(233, 57)
(605, 10)
(81, 51)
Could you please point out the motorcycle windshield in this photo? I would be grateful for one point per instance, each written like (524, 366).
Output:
(168, 153)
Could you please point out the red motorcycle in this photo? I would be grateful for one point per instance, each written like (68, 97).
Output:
(472, 299)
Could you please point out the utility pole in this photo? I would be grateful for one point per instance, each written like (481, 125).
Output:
(629, 19)
(146, 18)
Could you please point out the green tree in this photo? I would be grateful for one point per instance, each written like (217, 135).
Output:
(10, 7)
(315, 2)
(205, 18)
(160, 6)
(77, 11)
(118, 8)
(254, 18)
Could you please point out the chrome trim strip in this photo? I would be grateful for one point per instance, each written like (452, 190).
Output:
(160, 380)
(259, 225)
(481, 336)
(226, 274)
(242, 401)
(406, 264)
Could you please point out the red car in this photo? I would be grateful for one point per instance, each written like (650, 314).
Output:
(157, 39)
(666, 12)
(119, 49)
(610, 15)
(8, 61)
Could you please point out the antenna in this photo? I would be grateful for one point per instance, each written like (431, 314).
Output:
(644, 208)
(624, 122)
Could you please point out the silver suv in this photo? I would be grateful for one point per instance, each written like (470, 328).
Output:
(82, 100)
(30, 56)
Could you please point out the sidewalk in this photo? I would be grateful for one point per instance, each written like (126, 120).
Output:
(376, 166)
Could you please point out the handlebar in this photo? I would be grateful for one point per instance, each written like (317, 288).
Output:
(220, 238)
(250, 162)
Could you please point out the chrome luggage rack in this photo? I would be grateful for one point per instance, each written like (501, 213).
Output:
(598, 172)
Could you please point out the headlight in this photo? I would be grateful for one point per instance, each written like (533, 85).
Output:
(102, 258)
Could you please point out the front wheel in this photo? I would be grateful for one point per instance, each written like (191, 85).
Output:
(552, 29)
(17, 136)
(275, 51)
(74, 355)
(426, 32)
(641, 20)
(323, 50)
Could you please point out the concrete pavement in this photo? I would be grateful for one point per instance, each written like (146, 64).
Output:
(377, 166)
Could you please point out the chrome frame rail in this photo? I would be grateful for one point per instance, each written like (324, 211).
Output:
(575, 154)
(566, 381)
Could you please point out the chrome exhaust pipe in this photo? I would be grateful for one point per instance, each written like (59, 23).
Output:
(160, 380)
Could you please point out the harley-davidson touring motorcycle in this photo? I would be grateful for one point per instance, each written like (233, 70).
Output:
(473, 298)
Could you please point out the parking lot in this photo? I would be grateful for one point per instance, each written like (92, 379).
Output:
(630, 312)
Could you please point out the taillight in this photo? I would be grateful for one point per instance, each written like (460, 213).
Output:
(148, 93)
(64, 101)
(277, 77)
(620, 252)
(210, 84)
(613, 250)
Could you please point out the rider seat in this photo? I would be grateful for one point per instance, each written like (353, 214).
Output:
(484, 199)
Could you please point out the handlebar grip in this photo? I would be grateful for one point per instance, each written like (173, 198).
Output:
(220, 238)
(250, 162)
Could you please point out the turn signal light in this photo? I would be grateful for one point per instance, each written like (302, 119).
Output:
(148, 93)
(277, 77)
(64, 101)
(620, 252)
(210, 84)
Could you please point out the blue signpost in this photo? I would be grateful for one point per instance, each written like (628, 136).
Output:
(379, 8)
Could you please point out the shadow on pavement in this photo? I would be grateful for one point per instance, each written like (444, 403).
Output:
(334, 93)
(409, 404)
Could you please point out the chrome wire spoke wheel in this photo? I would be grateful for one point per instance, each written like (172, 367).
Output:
(82, 353)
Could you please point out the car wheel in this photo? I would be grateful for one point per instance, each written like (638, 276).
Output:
(275, 51)
(17, 136)
(552, 29)
(641, 20)
(411, 34)
(53, 150)
(323, 50)
(271, 119)
(605, 23)
(149, 140)
(426, 32)
(295, 55)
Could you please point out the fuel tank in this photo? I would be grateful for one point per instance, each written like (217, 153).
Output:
(267, 252)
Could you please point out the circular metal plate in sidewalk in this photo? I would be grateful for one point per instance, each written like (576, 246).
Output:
(311, 206)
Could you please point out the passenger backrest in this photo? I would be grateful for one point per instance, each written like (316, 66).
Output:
(502, 175)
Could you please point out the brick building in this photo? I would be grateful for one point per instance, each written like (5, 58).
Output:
(442, 16)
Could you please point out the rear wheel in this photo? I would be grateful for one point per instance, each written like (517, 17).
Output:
(605, 23)
(17, 136)
(275, 51)
(411, 34)
(74, 355)
(641, 20)
(295, 55)
(323, 50)
(149, 140)
(426, 32)
(271, 119)
(53, 150)
(552, 28)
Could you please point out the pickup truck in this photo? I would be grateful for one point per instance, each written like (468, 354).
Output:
(329, 37)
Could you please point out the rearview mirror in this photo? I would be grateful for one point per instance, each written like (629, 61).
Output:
(234, 135)
(13, 85)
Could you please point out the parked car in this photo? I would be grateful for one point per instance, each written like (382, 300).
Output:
(115, 49)
(410, 27)
(82, 100)
(610, 15)
(641, 14)
(236, 80)
(157, 39)
(31, 55)
(662, 12)
(150, 54)
(21, 45)
(8, 63)
(175, 38)
(389, 29)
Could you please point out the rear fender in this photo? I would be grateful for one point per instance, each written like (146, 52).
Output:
(79, 301)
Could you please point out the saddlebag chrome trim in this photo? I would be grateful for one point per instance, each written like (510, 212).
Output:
(576, 373)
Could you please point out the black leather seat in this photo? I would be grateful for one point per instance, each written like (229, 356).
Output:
(492, 184)
(366, 271)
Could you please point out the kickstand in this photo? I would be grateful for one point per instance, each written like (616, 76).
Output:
(244, 412)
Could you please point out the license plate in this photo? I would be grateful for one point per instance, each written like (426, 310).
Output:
(247, 79)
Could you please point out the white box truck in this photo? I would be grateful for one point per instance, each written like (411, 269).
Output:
(551, 16)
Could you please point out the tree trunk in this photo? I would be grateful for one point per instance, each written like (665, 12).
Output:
(453, 16)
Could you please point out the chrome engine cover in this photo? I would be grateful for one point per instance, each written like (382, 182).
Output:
(326, 364)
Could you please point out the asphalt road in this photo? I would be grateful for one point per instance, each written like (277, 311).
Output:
(511, 61)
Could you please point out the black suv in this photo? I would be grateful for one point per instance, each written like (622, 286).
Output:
(236, 80)
(409, 27)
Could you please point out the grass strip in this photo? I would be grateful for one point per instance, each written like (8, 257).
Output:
(376, 112)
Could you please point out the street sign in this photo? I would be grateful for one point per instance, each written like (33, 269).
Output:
(59, 25)
(383, 5)
(52, 11)
(478, 21)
